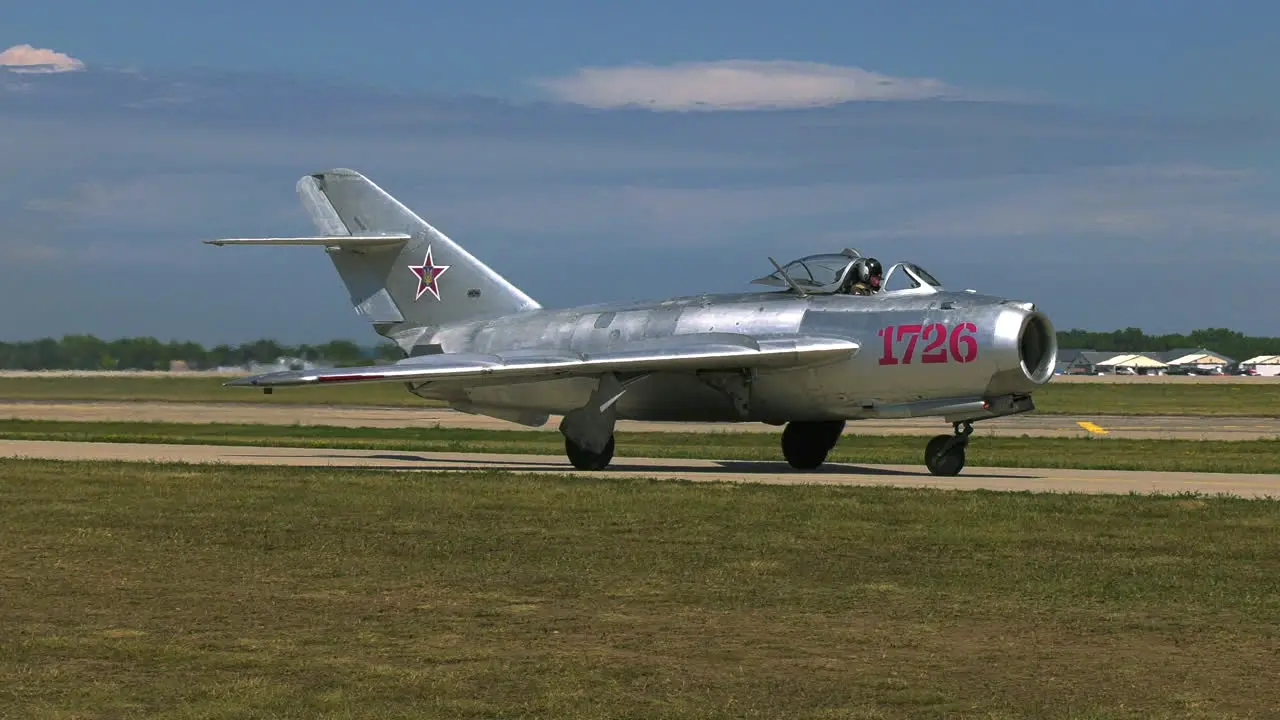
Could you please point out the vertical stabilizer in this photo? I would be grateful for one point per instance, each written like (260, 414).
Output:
(404, 276)
(428, 281)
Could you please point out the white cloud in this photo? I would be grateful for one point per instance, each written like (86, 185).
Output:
(25, 58)
(736, 85)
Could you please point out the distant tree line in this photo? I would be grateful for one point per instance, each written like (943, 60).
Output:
(86, 352)
(1235, 345)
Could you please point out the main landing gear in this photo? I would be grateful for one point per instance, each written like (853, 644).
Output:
(944, 455)
(805, 445)
(583, 458)
(588, 430)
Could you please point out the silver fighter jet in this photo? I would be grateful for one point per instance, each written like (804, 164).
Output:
(809, 354)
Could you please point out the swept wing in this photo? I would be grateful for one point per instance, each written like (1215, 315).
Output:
(678, 353)
(378, 240)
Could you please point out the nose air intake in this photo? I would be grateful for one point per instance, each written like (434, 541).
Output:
(1037, 348)
(1026, 349)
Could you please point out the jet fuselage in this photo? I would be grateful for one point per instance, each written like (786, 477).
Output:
(942, 353)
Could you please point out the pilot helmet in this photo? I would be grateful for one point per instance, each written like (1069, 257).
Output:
(869, 271)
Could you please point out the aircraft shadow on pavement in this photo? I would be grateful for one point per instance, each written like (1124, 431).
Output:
(743, 467)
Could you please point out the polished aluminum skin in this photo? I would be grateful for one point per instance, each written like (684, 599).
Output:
(802, 353)
(1014, 355)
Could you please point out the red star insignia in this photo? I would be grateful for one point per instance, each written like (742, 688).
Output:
(427, 273)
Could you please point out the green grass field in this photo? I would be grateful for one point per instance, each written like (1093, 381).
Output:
(136, 590)
(198, 389)
(1254, 456)
(1067, 398)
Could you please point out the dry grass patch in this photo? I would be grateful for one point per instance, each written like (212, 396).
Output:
(184, 591)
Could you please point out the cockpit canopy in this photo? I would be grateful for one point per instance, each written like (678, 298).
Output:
(824, 273)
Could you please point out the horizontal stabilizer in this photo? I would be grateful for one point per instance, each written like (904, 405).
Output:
(364, 241)
(679, 353)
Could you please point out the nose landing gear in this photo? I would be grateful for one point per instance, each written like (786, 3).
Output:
(944, 455)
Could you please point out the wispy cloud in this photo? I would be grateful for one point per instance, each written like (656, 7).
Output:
(562, 199)
(28, 59)
(736, 85)
(1149, 205)
(1154, 203)
(154, 201)
(646, 215)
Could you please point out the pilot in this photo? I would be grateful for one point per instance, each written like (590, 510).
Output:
(865, 277)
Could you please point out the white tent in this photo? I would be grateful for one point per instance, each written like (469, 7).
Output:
(1264, 364)
(1132, 360)
(1200, 360)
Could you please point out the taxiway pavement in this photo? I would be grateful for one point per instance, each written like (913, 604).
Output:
(1034, 425)
(974, 478)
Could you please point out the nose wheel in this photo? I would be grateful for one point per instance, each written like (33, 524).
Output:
(944, 455)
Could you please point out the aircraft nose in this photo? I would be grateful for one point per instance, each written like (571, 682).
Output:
(1026, 349)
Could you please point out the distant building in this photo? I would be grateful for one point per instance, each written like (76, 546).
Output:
(283, 364)
(1268, 365)
(1066, 357)
(1132, 364)
(1084, 362)
(1179, 361)
(1199, 360)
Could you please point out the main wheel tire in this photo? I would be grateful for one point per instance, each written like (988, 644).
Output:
(584, 459)
(947, 463)
(806, 458)
(806, 445)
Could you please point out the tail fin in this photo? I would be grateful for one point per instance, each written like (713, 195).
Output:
(403, 275)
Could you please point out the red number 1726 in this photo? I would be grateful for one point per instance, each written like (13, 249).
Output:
(961, 345)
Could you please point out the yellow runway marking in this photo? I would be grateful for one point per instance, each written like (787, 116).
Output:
(1091, 427)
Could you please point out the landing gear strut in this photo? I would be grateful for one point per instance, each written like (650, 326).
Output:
(805, 444)
(588, 430)
(944, 455)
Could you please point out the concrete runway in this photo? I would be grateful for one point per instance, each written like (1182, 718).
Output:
(1144, 427)
(1083, 481)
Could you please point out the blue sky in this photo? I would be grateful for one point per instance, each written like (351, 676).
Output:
(1115, 162)
(1165, 54)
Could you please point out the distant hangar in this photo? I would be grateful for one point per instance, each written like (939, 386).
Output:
(1180, 361)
